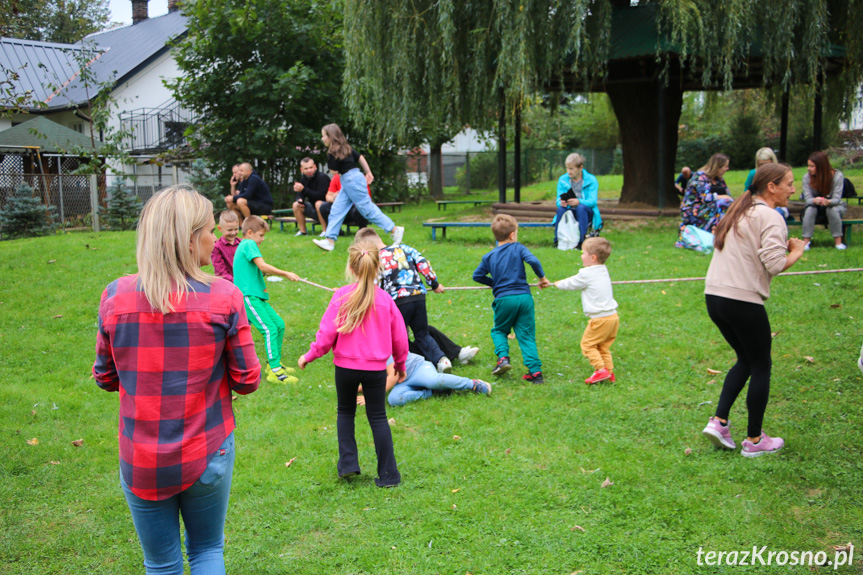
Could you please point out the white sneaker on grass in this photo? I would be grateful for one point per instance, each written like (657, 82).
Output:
(841, 247)
(300, 233)
(322, 234)
(324, 245)
(397, 233)
(467, 353)
(444, 365)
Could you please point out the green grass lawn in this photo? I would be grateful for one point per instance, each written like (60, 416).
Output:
(520, 491)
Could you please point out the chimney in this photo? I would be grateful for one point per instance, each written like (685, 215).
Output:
(139, 11)
(173, 5)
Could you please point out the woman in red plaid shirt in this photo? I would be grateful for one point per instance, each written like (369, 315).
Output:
(174, 341)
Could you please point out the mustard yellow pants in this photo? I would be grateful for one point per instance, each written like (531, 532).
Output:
(596, 342)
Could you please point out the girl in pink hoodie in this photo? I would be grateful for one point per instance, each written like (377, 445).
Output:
(363, 327)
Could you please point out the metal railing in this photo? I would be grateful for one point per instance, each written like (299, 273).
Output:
(153, 130)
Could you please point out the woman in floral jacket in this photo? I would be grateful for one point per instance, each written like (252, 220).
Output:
(706, 197)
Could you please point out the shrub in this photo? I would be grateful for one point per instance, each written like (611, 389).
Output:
(207, 184)
(123, 207)
(25, 216)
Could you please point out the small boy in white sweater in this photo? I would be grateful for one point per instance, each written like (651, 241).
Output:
(597, 299)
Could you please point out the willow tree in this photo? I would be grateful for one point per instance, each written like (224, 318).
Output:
(448, 64)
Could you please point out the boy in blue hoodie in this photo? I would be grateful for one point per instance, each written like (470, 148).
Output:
(513, 302)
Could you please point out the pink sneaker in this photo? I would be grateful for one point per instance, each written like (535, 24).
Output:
(719, 435)
(598, 375)
(766, 445)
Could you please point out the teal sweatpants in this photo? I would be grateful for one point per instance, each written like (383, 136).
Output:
(272, 327)
(515, 312)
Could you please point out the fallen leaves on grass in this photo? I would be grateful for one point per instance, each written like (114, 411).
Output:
(52, 261)
(508, 451)
(713, 371)
(774, 334)
(391, 420)
(456, 490)
(54, 462)
(456, 437)
(290, 461)
(687, 451)
(711, 382)
(583, 470)
(78, 442)
(33, 441)
(579, 527)
(607, 482)
(809, 358)
(835, 305)
(58, 316)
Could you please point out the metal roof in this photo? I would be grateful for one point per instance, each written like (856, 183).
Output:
(42, 67)
(113, 55)
(48, 136)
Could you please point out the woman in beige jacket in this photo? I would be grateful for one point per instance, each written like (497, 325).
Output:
(751, 247)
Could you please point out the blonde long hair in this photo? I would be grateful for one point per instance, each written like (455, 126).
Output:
(171, 220)
(713, 167)
(339, 147)
(363, 266)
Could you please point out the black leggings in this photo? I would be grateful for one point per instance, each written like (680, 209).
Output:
(375, 391)
(746, 328)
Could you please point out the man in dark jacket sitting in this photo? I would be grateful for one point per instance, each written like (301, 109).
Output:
(253, 195)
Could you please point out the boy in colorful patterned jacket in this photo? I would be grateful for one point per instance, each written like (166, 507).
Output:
(402, 271)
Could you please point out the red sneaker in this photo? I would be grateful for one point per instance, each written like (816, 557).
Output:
(598, 375)
(612, 376)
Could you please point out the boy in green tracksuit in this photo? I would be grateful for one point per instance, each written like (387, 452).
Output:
(249, 270)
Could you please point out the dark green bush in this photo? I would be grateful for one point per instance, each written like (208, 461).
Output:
(24, 216)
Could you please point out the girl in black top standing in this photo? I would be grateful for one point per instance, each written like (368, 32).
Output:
(347, 162)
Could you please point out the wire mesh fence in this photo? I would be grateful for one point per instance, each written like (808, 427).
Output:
(78, 200)
(474, 171)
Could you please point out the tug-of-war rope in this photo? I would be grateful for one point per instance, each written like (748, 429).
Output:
(624, 282)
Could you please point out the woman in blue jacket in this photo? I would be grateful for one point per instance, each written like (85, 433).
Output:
(578, 190)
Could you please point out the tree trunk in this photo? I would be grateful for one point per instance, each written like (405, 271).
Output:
(636, 106)
(436, 170)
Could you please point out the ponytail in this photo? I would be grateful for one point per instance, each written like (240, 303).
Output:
(363, 266)
(740, 207)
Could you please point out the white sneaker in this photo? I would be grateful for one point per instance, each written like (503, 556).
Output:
(444, 365)
(300, 233)
(324, 245)
(841, 247)
(806, 247)
(398, 233)
(322, 234)
(467, 353)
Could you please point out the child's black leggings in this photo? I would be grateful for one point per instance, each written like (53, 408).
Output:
(375, 391)
(746, 328)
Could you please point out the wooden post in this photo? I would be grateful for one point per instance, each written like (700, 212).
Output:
(501, 155)
(783, 128)
(662, 175)
(94, 201)
(816, 116)
(517, 159)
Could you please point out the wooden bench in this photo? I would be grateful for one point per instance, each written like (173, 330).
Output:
(392, 205)
(445, 203)
(312, 224)
(846, 228)
(435, 226)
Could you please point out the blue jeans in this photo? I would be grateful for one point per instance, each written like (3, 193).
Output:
(204, 506)
(422, 381)
(355, 193)
(583, 215)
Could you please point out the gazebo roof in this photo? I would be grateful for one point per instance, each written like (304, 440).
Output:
(635, 44)
(49, 137)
